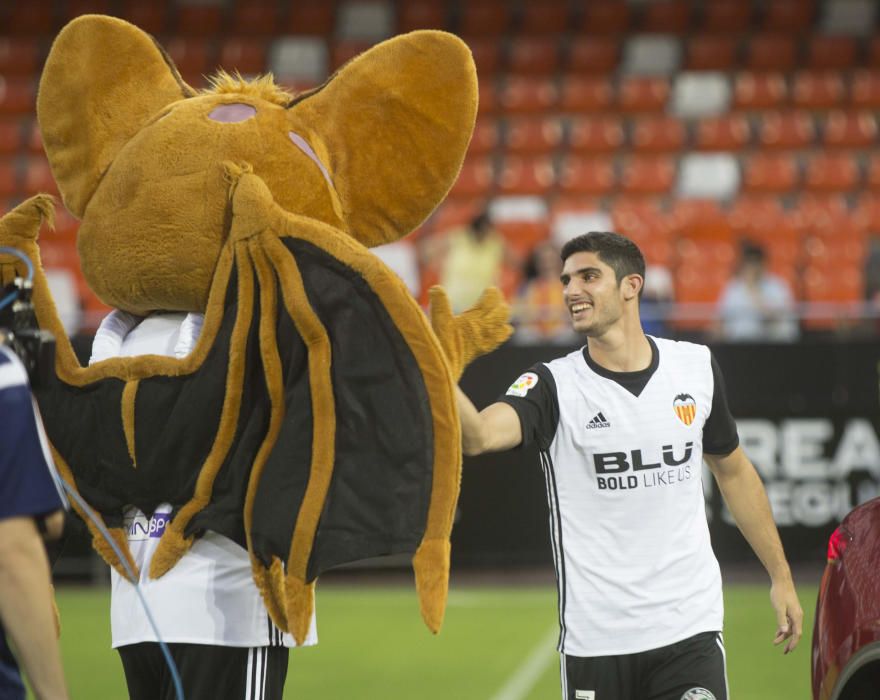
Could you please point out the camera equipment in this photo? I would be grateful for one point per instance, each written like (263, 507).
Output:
(18, 325)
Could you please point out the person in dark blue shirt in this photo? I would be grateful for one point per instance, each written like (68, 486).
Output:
(31, 503)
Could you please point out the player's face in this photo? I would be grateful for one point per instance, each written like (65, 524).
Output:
(591, 293)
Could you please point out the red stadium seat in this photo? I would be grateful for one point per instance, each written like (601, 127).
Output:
(341, 52)
(484, 17)
(488, 56)
(865, 89)
(666, 17)
(192, 56)
(873, 174)
(725, 16)
(422, 14)
(787, 15)
(817, 90)
(658, 134)
(595, 135)
(832, 172)
(759, 91)
(35, 139)
(524, 175)
(10, 137)
(771, 52)
(729, 132)
(831, 52)
(476, 179)
(152, 17)
(643, 94)
(580, 95)
(17, 96)
(488, 97)
(533, 134)
(605, 17)
(711, 52)
(247, 56)
(647, 175)
(786, 130)
(199, 20)
(521, 95)
(8, 178)
(254, 18)
(19, 56)
(38, 177)
(850, 130)
(486, 136)
(765, 172)
(533, 55)
(314, 17)
(75, 8)
(592, 176)
(29, 18)
(546, 17)
(593, 55)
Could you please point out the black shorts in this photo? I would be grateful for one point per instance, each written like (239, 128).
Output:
(207, 672)
(692, 669)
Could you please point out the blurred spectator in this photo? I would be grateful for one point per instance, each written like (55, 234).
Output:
(657, 299)
(756, 305)
(538, 312)
(401, 257)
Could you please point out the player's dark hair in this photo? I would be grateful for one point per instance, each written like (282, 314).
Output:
(618, 252)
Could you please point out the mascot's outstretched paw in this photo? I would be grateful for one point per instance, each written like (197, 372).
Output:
(477, 331)
(20, 228)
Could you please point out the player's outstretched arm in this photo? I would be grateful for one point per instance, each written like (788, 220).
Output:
(493, 429)
(747, 501)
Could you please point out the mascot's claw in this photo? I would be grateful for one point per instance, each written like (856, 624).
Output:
(477, 331)
(21, 227)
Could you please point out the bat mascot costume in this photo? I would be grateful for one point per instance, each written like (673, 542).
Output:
(314, 422)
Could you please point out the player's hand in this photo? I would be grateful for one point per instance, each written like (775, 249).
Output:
(789, 615)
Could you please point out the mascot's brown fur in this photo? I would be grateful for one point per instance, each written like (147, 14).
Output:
(212, 202)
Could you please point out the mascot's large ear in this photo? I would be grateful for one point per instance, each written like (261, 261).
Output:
(104, 80)
(391, 129)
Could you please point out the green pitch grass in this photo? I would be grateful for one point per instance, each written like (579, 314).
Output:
(496, 644)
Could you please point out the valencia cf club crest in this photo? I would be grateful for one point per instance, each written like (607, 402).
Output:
(685, 408)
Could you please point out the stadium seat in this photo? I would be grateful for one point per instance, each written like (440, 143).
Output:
(708, 176)
(312, 17)
(533, 55)
(152, 17)
(770, 172)
(640, 217)
(716, 255)
(786, 130)
(593, 176)
(865, 89)
(579, 95)
(819, 211)
(17, 96)
(693, 213)
(850, 129)
(484, 17)
(365, 20)
(247, 56)
(872, 180)
(523, 236)
(19, 56)
(75, 8)
(866, 213)
(476, 178)
(8, 178)
(520, 95)
(759, 91)
(771, 52)
(456, 211)
(837, 285)
(829, 248)
(488, 55)
(817, 90)
(694, 286)
(730, 132)
(533, 134)
(725, 16)
(700, 94)
(873, 52)
(488, 96)
(855, 17)
(254, 18)
(792, 16)
(28, 18)
(422, 14)
(831, 172)
(605, 17)
(651, 54)
(193, 56)
(595, 135)
(640, 94)
(10, 137)
(342, 51)
(486, 137)
(756, 214)
(526, 175)
(38, 177)
(35, 139)
(299, 59)
(666, 17)
(831, 52)
(647, 175)
(657, 250)
(549, 17)
(588, 55)
(658, 134)
(199, 20)
(718, 53)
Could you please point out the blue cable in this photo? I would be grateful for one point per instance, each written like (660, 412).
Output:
(9, 298)
(172, 667)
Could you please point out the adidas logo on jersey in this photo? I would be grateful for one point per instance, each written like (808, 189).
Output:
(599, 421)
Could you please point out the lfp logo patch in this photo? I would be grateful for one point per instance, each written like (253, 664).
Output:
(698, 694)
(685, 408)
(522, 385)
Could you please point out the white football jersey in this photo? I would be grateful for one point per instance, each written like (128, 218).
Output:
(622, 456)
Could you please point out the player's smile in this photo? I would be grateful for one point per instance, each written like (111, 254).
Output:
(579, 309)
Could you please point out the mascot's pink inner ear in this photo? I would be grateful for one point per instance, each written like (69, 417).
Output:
(303, 145)
(232, 113)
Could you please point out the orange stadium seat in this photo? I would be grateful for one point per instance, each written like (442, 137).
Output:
(872, 179)
(640, 217)
(17, 96)
(10, 137)
(850, 130)
(421, 14)
(8, 178)
(771, 52)
(703, 214)
(488, 97)
(28, 18)
(581, 175)
(533, 134)
(840, 284)
(786, 130)
(729, 132)
(657, 250)
(455, 212)
(711, 52)
(866, 213)
(817, 90)
(520, 95)
(787, 15)
(152, 17)
(658, 134)
(605, 17)
(19, 56)
(839, 246)
(593, 54)
(714, 255)
(770, 172)
(643, 94)
(484, 17)
(647, 175)
(38, 177)
(595, 134)
(818, 211)
(314, 17)
(488, 55)
(831, 172)
(580, 94)
(831, 52)
(476, 178)
(521, 175)
(756, 214)
(34, 138)
(694, 284)
(865, 89)
(666, 17)
(546, 17)
(254, 17)
(523, 236)
(758, 91)
(199, 20)
(341, 52)
(486, 136)
(725, 16)
(533, 55)
(247, 56)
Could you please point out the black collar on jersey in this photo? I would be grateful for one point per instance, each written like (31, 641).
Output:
(633, 382)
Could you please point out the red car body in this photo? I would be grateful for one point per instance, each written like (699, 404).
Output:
(846, 635)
